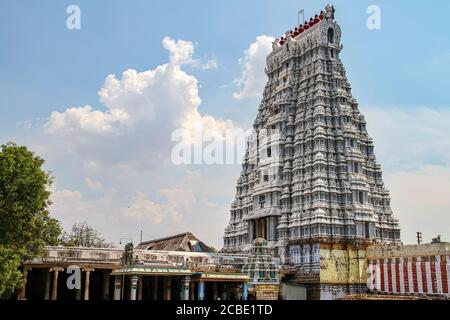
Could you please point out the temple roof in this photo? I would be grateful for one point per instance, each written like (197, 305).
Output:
(180, 242)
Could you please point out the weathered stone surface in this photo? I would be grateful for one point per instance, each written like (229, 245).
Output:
(390, 251)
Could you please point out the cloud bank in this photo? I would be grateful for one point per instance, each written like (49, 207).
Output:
(124, 150)
(252, 80)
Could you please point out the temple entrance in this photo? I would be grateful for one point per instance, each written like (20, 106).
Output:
(264, 228)
(260, 228)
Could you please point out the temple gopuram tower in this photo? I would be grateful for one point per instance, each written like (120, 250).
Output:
(310, 179)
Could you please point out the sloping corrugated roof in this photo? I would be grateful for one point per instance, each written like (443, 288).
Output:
(180, 242)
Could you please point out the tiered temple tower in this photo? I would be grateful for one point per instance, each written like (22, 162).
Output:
(310, 175)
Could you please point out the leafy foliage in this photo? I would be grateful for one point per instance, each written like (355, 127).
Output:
(25, 224)
(10, 276)
(83, 235)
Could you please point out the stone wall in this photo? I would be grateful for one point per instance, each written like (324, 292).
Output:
(343, 264)
(334, 292)
(389, 251)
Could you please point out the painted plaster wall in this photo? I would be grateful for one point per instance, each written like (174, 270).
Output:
(343, 266)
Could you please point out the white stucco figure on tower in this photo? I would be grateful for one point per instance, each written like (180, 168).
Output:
(310, 176)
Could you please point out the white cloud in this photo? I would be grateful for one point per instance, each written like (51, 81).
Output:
(195, 122)
(142, 110)
(93, 185)
(180, 203)
(210, 64)
(66, 197)
(177, 202)
(143, 208)
(252, 80)
(70, 207)
(181, 53)
(126, 144)
(84, 119)
(180, 199)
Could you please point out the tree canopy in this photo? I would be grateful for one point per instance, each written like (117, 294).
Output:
(83, 235)
(25, 223)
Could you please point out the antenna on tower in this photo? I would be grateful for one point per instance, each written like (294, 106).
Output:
(298, 16)
(419, 237)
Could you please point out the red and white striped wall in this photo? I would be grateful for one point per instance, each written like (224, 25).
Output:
(420, 275)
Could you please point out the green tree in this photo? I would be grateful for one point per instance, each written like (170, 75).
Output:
(10, 275)
(25, 224)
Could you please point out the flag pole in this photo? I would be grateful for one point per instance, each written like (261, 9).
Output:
(298, 16)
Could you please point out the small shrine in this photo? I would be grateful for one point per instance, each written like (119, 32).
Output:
(260, 267)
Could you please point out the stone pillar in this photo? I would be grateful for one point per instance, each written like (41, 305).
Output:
(270, 225)
(105, 295)
(77, 294)
(270, 228)
(265, 229)
(273, 226)
(245, 291)
(22, 291)
(192, 291)
(259, 228)
(201, 290)
(224, 292)
(47, 285)
(139, 288)
(87, 281)
(185, 288)
(282, 253)
(134, 283)
(155, 288)
(167, 288)
(118, 288)
(215, 291)
(55, 282)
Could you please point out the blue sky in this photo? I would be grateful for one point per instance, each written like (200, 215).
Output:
(399, 74)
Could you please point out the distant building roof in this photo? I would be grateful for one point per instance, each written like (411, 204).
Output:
(180, 242)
